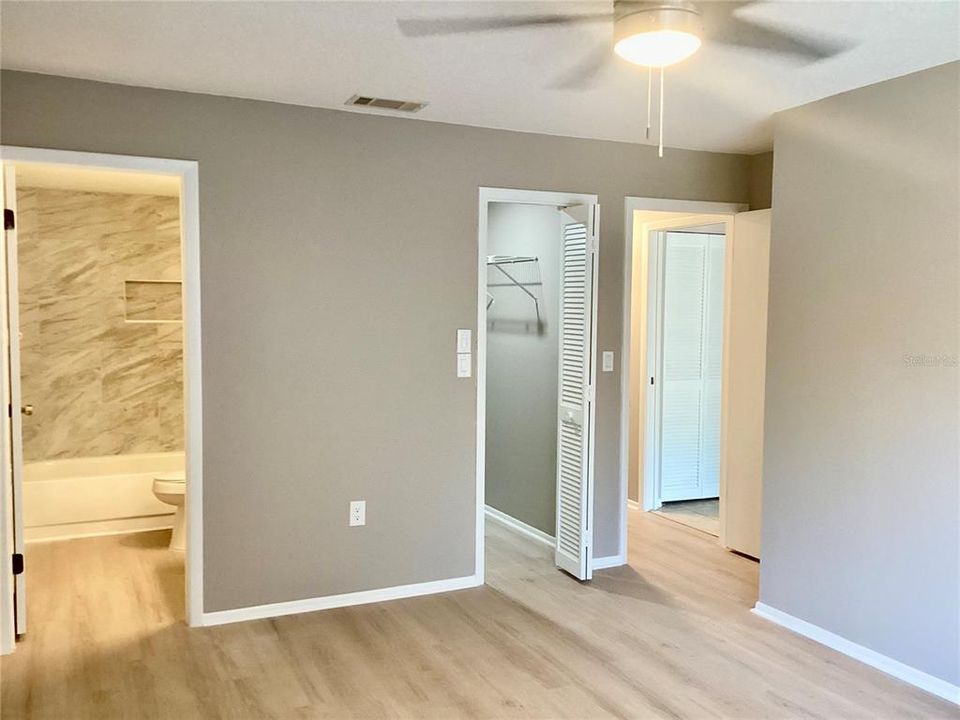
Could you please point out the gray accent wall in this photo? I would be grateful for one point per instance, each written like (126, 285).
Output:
(523, 365)
(338, 258)
(861, 506)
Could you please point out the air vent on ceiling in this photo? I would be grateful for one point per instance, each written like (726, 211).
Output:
(384, 104)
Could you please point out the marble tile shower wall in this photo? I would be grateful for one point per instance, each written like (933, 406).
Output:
(99, 384)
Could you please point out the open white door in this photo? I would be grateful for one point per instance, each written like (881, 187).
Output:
(580, 230)
(744, 384)
(7, 615)
(12, 470)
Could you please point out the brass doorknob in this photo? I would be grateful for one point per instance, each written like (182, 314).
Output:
(27, 409)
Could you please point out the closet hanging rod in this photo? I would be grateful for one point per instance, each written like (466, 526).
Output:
(509, 259)
(498, 261)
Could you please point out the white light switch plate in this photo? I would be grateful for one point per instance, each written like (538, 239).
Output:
(608, 361)
(464, 365)
(358, 512)
(463, 340)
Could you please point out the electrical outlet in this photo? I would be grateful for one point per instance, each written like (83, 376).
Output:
(358, 512)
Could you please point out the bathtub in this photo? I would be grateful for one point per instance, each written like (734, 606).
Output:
(80, 497)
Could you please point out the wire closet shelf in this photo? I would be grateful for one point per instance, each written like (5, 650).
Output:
(520, 271)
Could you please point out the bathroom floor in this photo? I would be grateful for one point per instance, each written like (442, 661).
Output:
(101, 613)
(124, 579)
(703, 515)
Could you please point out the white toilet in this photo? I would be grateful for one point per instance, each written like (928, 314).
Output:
(171, 488)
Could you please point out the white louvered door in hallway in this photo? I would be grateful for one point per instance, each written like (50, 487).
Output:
(576, 390)
(692, 352)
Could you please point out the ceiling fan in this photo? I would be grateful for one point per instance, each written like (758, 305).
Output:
(649, 33)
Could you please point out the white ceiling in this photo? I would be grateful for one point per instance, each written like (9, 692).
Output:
(321, 53)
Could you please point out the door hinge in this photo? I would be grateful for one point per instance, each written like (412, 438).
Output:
(18, 563)
(10, 411)
(651, 379)
(591, 393)
(9, 219)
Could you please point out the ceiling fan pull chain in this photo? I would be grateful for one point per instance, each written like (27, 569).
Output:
(661, 112)
(649, 98)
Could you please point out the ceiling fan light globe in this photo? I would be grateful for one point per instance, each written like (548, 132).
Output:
(658, 48)
(656, 34)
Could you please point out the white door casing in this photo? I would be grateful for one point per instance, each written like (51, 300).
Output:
(187, 173)
(7, 582)
(13, 440)
(639, 241)
(576, 389)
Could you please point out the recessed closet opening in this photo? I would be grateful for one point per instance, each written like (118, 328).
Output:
(523, 286)
(535, 372)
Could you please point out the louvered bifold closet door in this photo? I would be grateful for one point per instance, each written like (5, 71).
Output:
(692, 353)
(712, 367)
(574, 441)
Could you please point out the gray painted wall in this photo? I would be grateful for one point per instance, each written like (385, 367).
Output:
(338, 257)
(861, 504)
(761, 180)
(522, 366)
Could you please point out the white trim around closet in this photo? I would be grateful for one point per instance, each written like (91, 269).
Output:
(489, 195)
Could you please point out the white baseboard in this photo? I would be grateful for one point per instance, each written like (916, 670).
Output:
(364, 597)
(97, 528)
(634, 505)
(897, 669)
(520, 526)
(609, 561)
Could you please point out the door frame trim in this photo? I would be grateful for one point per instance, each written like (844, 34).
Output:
(489, 195)
(188, 173)
(632, 205)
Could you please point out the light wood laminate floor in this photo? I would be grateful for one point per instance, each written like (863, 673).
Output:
(670, 636)
(703, 515)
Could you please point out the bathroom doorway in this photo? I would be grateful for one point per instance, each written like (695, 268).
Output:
(102, 345)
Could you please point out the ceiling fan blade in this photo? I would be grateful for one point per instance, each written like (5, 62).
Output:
(422, 27)
(587, 71)
(739, 32)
